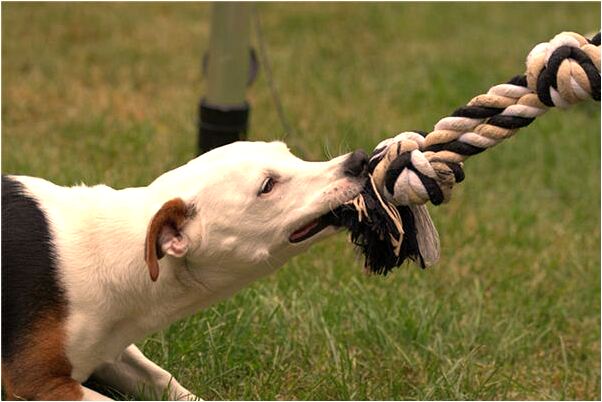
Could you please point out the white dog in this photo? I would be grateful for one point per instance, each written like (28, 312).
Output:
(88, 271)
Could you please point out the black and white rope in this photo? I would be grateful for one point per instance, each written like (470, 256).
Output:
(415, 168)
(389, 222)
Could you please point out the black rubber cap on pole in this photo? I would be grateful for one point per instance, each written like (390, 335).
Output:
(221, 125)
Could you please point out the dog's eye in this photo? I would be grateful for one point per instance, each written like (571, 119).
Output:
(267, 186)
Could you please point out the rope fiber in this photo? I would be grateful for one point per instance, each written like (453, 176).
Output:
(415, 168)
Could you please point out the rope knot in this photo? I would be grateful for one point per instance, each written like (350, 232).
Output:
(565, 70)
(406, 175)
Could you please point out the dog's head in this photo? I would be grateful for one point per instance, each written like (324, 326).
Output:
(248, 206)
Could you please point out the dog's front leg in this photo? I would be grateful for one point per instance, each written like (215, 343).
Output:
(91, 395)
(133, 372)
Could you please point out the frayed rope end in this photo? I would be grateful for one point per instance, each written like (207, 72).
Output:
(388, 235)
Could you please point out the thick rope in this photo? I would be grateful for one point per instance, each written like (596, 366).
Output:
(414, 168)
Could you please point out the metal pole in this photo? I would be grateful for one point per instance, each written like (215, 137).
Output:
(224, 112)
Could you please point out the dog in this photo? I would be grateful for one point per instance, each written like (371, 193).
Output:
(88, 271)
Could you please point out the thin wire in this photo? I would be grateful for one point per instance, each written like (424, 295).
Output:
(263, 52)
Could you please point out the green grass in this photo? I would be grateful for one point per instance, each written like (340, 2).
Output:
(109, 93)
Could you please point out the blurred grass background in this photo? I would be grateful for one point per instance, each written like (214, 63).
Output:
(109, 92)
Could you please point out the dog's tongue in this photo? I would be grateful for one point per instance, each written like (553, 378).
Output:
(302, 233)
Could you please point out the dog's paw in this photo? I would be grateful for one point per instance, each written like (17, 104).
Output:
(188, 397)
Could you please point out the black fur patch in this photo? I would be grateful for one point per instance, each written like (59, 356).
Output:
(29, 283)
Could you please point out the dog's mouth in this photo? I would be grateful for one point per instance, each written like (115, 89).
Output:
(313, 228)
(332, 218)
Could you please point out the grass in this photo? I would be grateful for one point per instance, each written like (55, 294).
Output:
(109, 92)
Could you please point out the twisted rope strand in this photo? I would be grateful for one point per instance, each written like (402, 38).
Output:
(414, 168)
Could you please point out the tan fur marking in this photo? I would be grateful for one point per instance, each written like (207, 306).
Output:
(174, 213)
(41, 370)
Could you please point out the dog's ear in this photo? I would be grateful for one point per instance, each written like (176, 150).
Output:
(164, 235)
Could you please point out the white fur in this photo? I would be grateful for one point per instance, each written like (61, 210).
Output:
(235, 237)
(133, 373)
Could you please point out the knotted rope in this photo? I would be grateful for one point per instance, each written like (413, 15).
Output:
(389, 222)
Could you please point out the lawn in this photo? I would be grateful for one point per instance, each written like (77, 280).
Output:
(109, 93)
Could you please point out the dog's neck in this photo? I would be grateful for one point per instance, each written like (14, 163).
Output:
(112, 300)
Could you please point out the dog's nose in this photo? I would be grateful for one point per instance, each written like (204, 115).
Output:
(356, 164)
